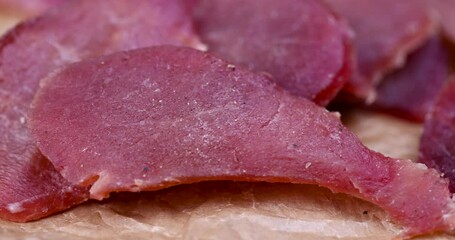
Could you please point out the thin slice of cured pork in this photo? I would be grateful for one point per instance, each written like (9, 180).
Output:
(157, 117)
(437, 145)
(385, 32)
(411, 91)
(75, 30)
(300, 43)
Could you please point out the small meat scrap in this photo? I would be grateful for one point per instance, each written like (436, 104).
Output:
(386, 32)
(75, 30)
(301, 44)
(437, 145)
(35, 189)
(411, 91)
(152, 118)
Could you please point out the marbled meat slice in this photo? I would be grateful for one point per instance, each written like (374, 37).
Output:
(385, 32)
(411, 91)
(156, 117)
(300, 43)
(437, 145)
(73, 31)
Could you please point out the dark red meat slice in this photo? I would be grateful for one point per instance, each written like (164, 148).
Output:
(385, 32)
(300, 43)
(410, 91)
(74, 31)
(162, 116)
(437, 146)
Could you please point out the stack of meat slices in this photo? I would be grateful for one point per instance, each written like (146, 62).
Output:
(29, 184)
(422, 89)
(95, 100)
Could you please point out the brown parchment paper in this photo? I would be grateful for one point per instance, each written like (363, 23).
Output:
(230, 210)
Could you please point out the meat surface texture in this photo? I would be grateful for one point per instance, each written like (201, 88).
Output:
(73, 31)
(27, 8)
(385, 32)
(411, 91)
(157, 117)
(300, 43)
(437, 146)
(445, 10)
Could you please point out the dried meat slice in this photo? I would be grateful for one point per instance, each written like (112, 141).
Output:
(300, 43)
(157, 117)
(385, 32)
(411, 91)
(73, 31)
(437, 145)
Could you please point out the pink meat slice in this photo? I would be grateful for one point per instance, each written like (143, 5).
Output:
(157, 117)
(411, 91)
(300, 43)
(75, 30)
(437, 145)
(385, 32)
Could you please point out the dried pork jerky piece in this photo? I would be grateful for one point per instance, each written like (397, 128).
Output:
(411, 91)
(300, 43)
(156, 117)
(385, 32)
(437, 145)
(73, 31)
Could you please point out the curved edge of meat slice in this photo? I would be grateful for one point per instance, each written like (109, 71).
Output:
(385, 33)
(301, 44)
(341, 79)
(437, 145)
(156, 117)
(74, 30)
(410, 92)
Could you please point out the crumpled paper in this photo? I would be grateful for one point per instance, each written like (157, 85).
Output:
(235, 210)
